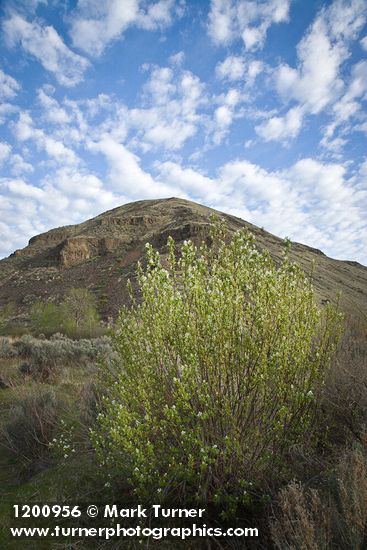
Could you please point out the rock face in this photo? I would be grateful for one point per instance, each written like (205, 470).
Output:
(101, 254)
(74, 251)
(78, 249)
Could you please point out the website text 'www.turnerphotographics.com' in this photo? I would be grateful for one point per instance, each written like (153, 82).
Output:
(137, 522)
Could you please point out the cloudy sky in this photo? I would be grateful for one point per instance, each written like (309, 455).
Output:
(254, 107)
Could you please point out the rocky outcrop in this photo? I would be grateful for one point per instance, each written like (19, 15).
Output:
(22, 252)
(50, 238)
(74, 250)
(43, 242)
(81, 248)
(197, 232)
(126, 221)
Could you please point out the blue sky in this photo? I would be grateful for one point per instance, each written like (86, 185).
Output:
(256, 108)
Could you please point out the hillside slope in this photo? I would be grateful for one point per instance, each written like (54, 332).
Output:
(102, 252)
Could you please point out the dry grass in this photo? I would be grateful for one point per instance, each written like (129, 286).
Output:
(336, 517)
(344, 406)
(30, 426)
(352, 496)
(304, 521)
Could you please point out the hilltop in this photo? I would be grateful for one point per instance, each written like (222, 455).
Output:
(101, 254)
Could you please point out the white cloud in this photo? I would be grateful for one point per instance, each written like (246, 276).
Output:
(248, 20)
(232, 68)
(155, 15)
(225, 113)
(19, 166)
(311, 202)
(223, 116)
(281, 128)
(125, 173)
(23, 189)
(161, 86)
(8, 85)
(96, 24)
(358, 84)
(76, 184)
(6, 109)
(25, 5)
(346, 18)
(15, 162)
(316, 82)
(173, 99)
(254, 68)
(177, 58)
(5, 150)
(23, 127)
(46, 45)
(171, 111)
(262, 193)
(53, 111)
(347, 107)
(190, 182)
(364, 43)
(24, 130)
(237, 68)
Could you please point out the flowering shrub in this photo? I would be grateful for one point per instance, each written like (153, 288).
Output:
(219, 366)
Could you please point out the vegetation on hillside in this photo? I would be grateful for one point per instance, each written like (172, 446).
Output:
(76, 316)
(6, 313)
(218, 385)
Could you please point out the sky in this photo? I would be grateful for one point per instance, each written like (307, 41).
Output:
(255, 108)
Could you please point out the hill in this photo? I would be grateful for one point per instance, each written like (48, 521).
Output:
(51, 388)
(101, 254)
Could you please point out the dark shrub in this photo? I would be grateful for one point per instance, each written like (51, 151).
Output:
(3, 383)
(31, 426)
(25, 368)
